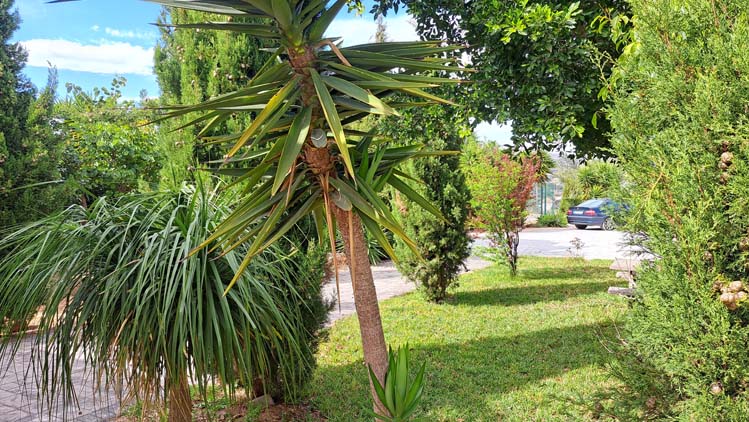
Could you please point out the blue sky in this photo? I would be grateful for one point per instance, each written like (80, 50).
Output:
(90, 42)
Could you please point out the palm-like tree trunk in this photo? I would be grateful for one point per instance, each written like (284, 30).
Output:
(321, 162)
(365, 297)
(180, 402)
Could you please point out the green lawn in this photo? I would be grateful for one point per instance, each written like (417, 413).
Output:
(501, 349)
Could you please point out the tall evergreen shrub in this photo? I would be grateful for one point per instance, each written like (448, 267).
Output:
(443, 244)
(682, 135)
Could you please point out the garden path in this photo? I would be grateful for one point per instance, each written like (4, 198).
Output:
(18, 393)
(388, 282)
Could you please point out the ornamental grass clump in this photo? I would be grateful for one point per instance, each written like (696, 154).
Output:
(682, 138)
(119, 287)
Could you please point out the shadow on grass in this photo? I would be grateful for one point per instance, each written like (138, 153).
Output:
(562, 273)
(468, 380)
(526, 295)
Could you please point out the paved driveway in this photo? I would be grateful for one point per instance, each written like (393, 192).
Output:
(596, 243)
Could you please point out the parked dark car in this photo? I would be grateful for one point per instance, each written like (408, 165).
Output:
(593, 212)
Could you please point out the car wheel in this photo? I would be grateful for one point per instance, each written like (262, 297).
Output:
(608, 224)
(581, 226)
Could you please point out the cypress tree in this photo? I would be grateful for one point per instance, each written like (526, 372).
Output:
(443, 244)
(680, 115)
(192, 66)
(29, 148)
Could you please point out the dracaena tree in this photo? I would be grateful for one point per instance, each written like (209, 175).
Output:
(297, 157)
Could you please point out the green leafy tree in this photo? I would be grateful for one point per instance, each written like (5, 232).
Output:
(297, 157)
(539, 64)
(108, 150)
(501, 188)
(679, 115)
(443, 243)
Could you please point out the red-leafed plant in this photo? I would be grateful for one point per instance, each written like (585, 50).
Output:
(501, 187)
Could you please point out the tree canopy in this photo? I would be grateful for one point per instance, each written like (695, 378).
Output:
(539, 65)
(29, 147)
(108, 148)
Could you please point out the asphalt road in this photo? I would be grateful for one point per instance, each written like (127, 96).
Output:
(595, 243)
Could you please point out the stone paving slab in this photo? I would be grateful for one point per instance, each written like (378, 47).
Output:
(19, 401)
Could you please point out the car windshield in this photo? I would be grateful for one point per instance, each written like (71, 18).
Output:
(592, 203)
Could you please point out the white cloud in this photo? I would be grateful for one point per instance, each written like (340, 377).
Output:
(129, 33)
(117, 57)
(361, 30)
(95, 28)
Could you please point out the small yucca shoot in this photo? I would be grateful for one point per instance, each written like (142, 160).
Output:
(399, 396)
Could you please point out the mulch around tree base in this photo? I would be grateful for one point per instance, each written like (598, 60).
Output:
(285, 413)
(275, 413)
(238, 412)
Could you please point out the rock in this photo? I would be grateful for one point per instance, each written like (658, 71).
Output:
(264, 401)
(622, 291)
(744, 244)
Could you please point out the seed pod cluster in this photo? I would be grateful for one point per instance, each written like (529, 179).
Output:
(726, 159)
(733, 294)
(744, 244)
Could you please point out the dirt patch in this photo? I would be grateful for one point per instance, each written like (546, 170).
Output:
(290, 413)
(276, 413)
(242, 412)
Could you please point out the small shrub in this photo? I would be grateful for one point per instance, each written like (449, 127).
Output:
(557, 219)
(576, 248)
(501, 188)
